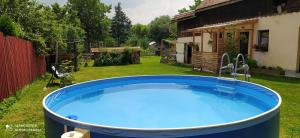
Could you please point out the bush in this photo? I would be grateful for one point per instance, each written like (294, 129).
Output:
(9, 27)
(114, 58)
(252, 63)
(66, 67)
(127, 56)
(281, 70)
(270, 68)
(102, 59)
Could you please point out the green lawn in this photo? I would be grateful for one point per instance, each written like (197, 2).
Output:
(28, 109)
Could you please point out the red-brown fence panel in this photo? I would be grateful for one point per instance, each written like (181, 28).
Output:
(19, 65)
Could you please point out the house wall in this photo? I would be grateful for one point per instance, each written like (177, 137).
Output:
(180, 46)
(206, 60)
(180, 52)
(283, 41)
(206, 47)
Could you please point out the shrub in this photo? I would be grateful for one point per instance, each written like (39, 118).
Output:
(263, 67)
(114, 58)
(196, 47)
(127, 56)
(65, 81)
(270, 68)
(281, 70)
(66, 67)
(9, 27)
(252, 63)
(231, 46)
(86, 64)
(102, 59)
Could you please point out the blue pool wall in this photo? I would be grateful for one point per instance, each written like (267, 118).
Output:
(266, 129)
(266, 126)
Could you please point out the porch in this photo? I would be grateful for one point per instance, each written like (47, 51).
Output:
(216, 39)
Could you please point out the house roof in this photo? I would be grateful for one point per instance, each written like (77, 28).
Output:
(205, 5)
(209, 4)
(185, 15)
(152, 43)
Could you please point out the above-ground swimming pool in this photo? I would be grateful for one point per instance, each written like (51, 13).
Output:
(164, 106)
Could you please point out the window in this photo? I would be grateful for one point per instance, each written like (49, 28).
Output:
(263, 41)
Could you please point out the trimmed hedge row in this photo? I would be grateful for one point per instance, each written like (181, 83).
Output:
(128, 56)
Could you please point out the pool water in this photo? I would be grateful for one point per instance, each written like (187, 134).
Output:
(162, 102)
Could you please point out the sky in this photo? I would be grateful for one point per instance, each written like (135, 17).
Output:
(141, 11)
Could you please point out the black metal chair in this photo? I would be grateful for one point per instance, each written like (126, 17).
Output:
(56, 75)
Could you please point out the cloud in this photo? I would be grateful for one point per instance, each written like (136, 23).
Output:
(143, 11)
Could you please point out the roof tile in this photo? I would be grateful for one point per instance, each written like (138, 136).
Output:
(208, 3)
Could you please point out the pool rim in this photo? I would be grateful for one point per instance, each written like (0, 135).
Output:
(239, 122)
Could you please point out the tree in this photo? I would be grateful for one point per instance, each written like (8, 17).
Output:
(9, 27)
(120, 26)
(92, 14)
(30, 15)
(159, 28)
(192, 7)
(139, 30)
(139, 36)
(44, 26)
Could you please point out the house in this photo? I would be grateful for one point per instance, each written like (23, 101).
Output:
(267, 31)
(154, 47)
(168, 51)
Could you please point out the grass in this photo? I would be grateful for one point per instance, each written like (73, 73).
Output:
(28, 108)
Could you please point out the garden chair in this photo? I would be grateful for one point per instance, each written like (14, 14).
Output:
(57, 75)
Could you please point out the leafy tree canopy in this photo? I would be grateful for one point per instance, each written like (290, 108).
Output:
(139, 30)
(92, 14)
(159, 28)
(44, 26)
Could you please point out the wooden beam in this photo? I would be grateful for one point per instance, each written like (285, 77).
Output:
(298, 69)
(251, 43)
(194, 38)
(202, 33)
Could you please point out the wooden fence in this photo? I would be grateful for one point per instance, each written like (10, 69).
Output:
(19, 65)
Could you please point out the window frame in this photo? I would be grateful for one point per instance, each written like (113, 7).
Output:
(260, 46)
